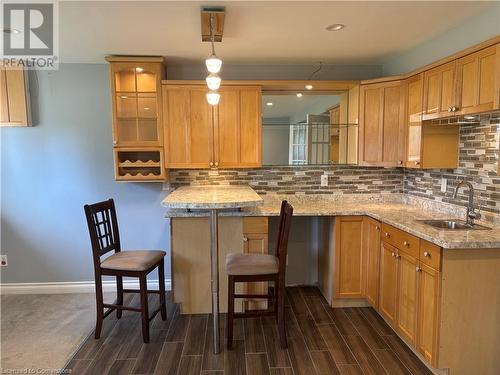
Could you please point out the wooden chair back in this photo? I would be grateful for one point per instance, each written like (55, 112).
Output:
(103, 228)
(286, 213)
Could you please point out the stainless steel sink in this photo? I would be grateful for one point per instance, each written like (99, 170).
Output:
(452, 224)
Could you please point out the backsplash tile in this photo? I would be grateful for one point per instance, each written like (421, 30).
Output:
(299, 180)
(478, 164)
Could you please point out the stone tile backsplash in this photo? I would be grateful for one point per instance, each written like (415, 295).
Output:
(478, 163)
(299, 180)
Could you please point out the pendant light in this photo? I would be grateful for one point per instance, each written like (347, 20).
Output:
(213, 64)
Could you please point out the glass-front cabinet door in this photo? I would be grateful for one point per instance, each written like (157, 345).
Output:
(136, 103)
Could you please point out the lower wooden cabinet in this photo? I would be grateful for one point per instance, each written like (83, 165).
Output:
(348, 256)
(388, 282)
(406, 320)
(255, 241)
(429, 290)
(371, 256)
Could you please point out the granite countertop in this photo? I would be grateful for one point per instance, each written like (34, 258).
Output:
(397, 210)
(212, 197)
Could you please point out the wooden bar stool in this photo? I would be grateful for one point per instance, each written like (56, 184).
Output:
(261, 267)
(104, 236)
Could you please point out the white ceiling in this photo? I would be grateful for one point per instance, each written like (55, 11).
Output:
(256, 32)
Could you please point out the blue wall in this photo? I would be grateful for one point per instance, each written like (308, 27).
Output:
(472, 31)
(49, 171)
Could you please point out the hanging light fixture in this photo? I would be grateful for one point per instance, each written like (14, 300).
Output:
(213, 64)
(213, 81)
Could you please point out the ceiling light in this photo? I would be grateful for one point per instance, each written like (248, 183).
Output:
(335, 27)
(213, 63)
(213, 81)
(299, 95)
(11, 31)
(213, 97)
(309, 87)
(138, 70)
(269, 104)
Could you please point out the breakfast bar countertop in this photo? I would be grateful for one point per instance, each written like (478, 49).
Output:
(398, 210)
(210, 197)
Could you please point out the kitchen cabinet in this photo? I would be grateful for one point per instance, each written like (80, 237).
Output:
(14, 97)
(255, 241)
(406, 321)
(478, 81)
(371, 256)
(388, 282)
(439, 91)
(381, 124)
(427, 145)
(137, 117)
(428, 312)
(348, 256)
(198, 135)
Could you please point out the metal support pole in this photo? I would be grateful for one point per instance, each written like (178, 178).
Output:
(214, 259)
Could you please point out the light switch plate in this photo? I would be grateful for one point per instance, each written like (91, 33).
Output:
(4, 261)
(444, 185)
(324, 180)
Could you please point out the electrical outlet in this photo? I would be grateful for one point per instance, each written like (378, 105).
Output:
(4, 261)
(166, 186)
(444, 185)
(324, 179)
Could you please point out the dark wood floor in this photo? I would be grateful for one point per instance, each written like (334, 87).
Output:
(321, 340)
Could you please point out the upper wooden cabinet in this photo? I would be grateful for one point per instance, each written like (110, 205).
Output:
(198, 135)
(381, 124)
(478, 81)
(137, 117)
(427, 145)
(14, 98)
(136, 97)
(439, 91)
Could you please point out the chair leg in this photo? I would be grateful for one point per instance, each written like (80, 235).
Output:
(144, 307)
(99, 306)
(281, 316)
(230, 312)
(270, 295)
(161, 280)
(119, 295)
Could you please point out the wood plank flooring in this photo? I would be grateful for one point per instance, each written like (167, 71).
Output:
(321, 340)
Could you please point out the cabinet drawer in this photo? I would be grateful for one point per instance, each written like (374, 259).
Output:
(256, 224)
(430, 254)
(400, 239)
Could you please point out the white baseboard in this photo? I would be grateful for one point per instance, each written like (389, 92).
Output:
(73, 287)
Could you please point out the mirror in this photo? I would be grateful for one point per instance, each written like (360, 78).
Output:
(307, 129)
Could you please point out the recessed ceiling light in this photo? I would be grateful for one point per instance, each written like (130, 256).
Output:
(11, 31)
(299, 95)
(309, 87)
(335, 27)
(269, 104)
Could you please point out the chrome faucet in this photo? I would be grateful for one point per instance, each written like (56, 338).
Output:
(471, 213)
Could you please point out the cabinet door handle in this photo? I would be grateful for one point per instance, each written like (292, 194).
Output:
(417, 163)
(245, 239)
(400, 162)
(406, 243)
(211, 164)
(114, 142)
(377, 227)
(449, 109)
(427, 254)
(387, 235)
(216, 163)
(418, 269)
(394, 255)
